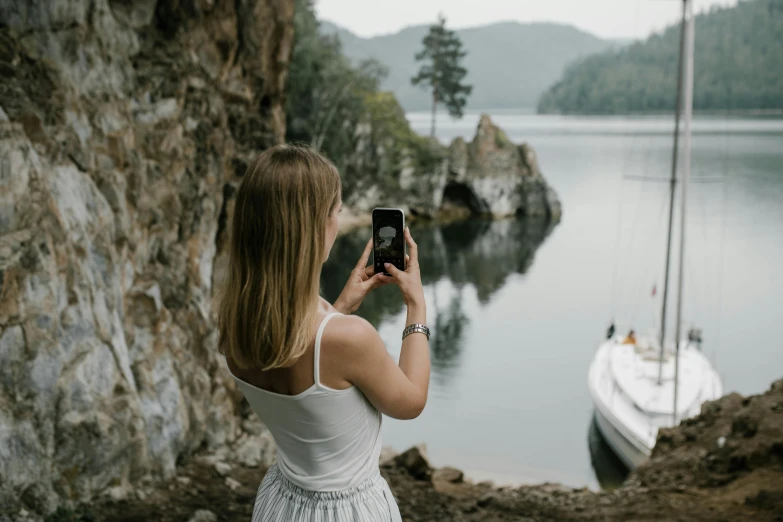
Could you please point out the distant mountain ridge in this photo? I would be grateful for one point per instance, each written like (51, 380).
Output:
(510, 64)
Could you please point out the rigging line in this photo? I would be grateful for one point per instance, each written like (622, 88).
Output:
(647, 269)
(696, 291)
(654, 308)
(701, 206)
(634, 222)
(618, 257)
(656, 278)
(721, 257)
(724, 212)
(617, 249)
(625, 247)
(621, 202)
(675, 162)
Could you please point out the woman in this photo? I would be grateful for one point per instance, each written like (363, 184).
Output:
(318, 377)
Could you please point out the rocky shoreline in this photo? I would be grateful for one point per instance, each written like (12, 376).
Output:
(726, 464)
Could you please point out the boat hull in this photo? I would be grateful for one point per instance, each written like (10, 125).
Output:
(631, 455)
(630, 404)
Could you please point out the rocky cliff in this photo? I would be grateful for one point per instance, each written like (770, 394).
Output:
(123, 127)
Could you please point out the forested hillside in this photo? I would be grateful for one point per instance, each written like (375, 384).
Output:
(738, 66)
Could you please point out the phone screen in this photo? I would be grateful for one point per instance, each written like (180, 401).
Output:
(388, 241)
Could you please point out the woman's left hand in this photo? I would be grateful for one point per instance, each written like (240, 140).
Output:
(362, 279)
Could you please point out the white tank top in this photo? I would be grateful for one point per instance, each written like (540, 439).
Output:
(327, 439)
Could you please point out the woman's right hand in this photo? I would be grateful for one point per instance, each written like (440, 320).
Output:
(397, 390)
(409, 280)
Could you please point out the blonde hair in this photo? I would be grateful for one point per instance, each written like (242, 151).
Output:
(276, 249)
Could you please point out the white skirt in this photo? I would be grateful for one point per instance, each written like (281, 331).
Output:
(279, 500)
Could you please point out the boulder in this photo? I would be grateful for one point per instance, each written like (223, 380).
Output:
(222, 468)
(256, 450)
(415, 463)
(491, 175)
(448, 474)
(203, 515)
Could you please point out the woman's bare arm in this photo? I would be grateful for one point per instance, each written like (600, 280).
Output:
(399, 391)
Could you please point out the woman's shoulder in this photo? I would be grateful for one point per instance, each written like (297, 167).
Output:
(349, 336)
(347, 327)
(348, 343)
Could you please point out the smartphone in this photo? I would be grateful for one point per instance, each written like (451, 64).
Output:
(388, 243)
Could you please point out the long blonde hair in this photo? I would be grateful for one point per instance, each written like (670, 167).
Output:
(276, 248)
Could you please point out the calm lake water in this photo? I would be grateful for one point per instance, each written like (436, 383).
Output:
(518, 308)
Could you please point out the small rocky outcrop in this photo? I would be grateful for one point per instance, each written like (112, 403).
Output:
(123, 126)
(488, 176)
(491, 175)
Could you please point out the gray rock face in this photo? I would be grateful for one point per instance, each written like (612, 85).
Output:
(424, 190)
(122, 128)
(491, 175)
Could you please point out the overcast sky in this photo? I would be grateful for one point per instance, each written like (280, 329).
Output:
(604, 18)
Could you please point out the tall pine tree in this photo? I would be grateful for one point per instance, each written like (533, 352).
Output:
(441, 71)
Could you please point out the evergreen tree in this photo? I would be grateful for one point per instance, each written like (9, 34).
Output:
(442, 71)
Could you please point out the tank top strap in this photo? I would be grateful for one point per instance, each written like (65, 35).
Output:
(317, 353)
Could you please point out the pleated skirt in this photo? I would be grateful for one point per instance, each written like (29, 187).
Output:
(279, 500)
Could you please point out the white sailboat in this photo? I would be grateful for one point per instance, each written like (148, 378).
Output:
(639, 387)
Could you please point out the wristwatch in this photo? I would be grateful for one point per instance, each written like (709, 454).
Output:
(415, 327)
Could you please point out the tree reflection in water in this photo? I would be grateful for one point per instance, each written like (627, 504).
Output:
(476, 252)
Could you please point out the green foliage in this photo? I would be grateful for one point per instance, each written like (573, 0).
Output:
(326, 93)
(441, 71)
(387, 120)
(501, 140)
(738, 59)
(338, 109)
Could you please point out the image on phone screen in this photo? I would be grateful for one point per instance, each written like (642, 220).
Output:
(388, 242)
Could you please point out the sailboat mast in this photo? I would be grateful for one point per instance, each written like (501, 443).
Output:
(672, 185)
(686, 172)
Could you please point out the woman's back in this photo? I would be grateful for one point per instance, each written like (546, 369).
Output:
(323, 412)
(327, 439)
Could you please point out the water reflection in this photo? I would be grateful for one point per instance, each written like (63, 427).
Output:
(447, 341)
(477, 252)
(609, 469)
